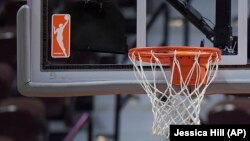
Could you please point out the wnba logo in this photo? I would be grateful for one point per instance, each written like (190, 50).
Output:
(60, 42)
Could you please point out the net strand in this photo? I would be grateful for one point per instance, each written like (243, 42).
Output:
(174, 104)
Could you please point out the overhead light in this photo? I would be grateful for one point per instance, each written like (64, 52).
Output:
(7, 35)
(176, 22)
(101, 138)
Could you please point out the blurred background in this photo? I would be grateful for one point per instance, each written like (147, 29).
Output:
(111, 117)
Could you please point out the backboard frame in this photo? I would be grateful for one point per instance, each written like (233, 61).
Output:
(32, 81)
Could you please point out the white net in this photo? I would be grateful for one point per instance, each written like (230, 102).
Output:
(174, 104)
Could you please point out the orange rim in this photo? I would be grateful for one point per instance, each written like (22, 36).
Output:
(165, 53)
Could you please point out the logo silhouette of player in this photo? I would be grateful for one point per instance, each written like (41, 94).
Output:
(59, 34)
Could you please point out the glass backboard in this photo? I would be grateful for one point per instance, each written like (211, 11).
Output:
(97, 35)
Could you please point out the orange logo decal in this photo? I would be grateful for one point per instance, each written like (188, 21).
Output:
(60, 34)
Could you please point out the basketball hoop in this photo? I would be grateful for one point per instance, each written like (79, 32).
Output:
(185, 73)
